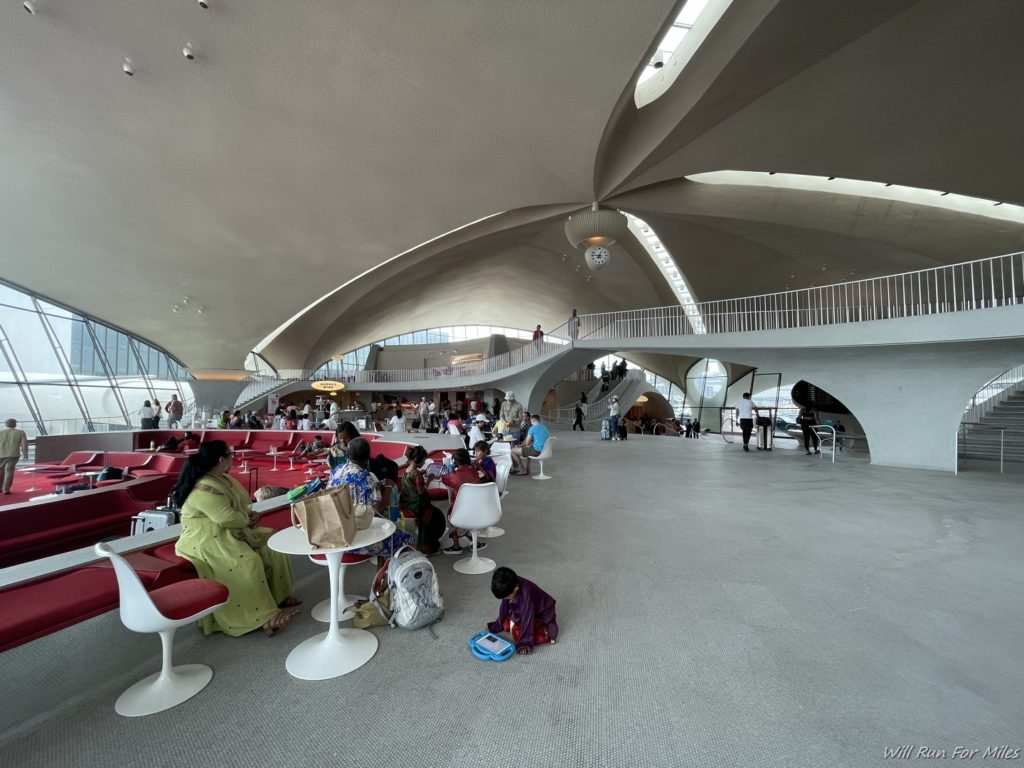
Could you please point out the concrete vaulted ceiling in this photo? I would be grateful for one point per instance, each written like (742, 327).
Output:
(311, 142)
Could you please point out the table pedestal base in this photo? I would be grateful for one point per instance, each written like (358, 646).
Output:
(323, 657)
(322, 610)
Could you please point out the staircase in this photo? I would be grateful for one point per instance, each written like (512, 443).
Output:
(625, 389)
(1004, 421)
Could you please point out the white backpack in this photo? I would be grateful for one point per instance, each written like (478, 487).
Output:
(415, 597)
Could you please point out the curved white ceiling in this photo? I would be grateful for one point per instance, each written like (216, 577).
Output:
(309, 143)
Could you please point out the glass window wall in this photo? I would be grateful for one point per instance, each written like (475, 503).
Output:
(63, 372)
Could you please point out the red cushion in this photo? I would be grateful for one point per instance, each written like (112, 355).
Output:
(438, 494)
(346, 557)
(167, 552)
(31, 610)
(187, 598)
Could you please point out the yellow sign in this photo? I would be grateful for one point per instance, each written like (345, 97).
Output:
(327, 386)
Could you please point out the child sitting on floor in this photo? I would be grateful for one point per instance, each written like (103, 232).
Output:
(523, 604)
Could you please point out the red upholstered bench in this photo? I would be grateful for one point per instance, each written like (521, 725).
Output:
(42, 607)
(167, 552)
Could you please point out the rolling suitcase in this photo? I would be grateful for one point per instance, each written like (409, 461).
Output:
(153, 520)
(606, 430)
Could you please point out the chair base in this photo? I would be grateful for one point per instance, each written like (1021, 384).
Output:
(491, 532)
(322, 610)
(542, 476)
(321, 657)
(153, 694)
(475, 565)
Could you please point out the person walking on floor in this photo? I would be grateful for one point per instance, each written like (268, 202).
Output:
(574, 325)
(13, 442)
(578, 421)
(745, 408)
(808, 419)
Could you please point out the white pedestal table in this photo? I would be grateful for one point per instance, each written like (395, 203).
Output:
(337, 651)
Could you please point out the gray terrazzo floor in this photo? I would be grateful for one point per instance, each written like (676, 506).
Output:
(717, 609)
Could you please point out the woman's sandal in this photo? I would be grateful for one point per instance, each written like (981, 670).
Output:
(280, 620)
(289, 602)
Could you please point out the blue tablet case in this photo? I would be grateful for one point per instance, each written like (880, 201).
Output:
(485, 654)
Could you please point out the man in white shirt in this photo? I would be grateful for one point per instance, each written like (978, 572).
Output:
(745, 408)
(12, 443)
(431, 415)
(397, 422)
(423, 409)
(476, 431)
(613, 417)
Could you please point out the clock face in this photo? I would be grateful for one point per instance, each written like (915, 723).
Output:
(599, 255)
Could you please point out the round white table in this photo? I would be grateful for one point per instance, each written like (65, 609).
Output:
(337, 651)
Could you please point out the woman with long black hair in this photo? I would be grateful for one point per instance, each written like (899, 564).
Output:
(808, 419)
(219, 536)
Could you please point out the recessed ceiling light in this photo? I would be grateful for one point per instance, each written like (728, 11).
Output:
(128, 68)
(188, 52)
(200, 310)
(175, 308)
(204, 4)
(29, 6)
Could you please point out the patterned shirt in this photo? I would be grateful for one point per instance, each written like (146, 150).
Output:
(362, 483)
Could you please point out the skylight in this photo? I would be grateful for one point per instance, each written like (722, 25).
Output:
(949, 201)
(643, 232)
(681, 41)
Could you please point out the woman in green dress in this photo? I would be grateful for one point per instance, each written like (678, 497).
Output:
(219, 536)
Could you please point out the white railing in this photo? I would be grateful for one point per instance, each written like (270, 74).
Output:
(989, 396)
(553, 342)
(598, 409)
(982, 284)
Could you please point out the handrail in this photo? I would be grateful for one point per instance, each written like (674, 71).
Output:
(966, 426)
(993, 282)
(821, 439)
(636, 424)
(569, 411)
(996, 281)
(989, 396)
(554, 341)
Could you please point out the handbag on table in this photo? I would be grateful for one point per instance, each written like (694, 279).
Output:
(328, 518)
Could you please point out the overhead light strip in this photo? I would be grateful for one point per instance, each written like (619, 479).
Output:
(879, 190)
(661, 256)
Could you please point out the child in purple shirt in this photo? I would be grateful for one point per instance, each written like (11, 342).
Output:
(523, 604)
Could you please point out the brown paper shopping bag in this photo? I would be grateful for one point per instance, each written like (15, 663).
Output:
(326, 517)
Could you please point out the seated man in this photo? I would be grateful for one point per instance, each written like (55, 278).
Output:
(476, 433)
(536, 437)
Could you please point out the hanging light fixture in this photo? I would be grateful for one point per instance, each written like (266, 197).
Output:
(597, 229)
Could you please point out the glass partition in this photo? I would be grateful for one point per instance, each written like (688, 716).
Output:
(64, 372)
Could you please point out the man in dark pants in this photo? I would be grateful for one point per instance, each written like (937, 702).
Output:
(745, 408)
(578, 421)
